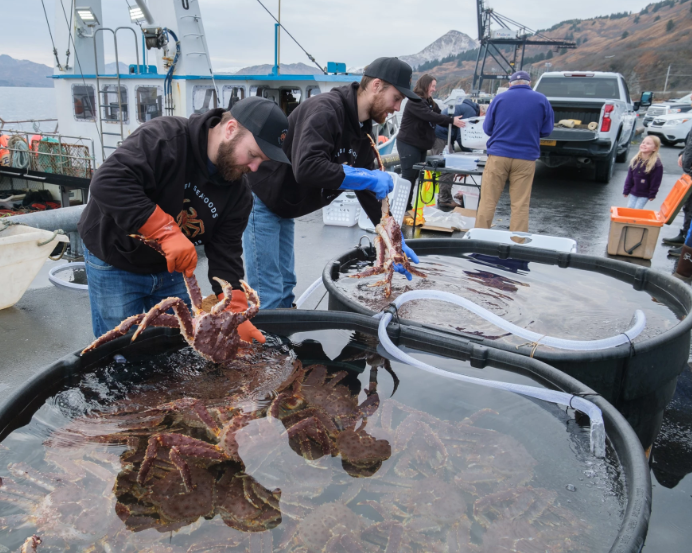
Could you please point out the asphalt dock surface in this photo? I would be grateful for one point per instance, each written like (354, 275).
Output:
(49, 322)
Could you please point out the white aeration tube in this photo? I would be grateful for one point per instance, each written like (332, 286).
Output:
(305, 295)
(559, 343)
(597, 435)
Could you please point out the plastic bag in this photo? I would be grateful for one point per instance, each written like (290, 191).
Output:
(450, 219)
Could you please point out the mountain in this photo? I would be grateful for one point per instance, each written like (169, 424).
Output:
(285, 68)
(640, 46)
(450, 44)
(24, 73)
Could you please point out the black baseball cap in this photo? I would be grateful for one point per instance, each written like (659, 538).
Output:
(267, 123)
(394, 71)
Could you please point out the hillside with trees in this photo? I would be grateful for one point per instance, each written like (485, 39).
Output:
(639, 45)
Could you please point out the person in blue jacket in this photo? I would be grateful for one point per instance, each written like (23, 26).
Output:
(515, 122)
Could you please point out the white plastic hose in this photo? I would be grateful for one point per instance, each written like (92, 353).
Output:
(597, 434)
(305, 295)
(559, 343)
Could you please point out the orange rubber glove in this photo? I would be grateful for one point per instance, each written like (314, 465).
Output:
(180, 253)
(246, 330)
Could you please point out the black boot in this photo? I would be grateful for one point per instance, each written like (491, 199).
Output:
(675, 252)
(684, 268)
(678, 240)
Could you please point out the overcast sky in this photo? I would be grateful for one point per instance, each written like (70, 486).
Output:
(241, 33)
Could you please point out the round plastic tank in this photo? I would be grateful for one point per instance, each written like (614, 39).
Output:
(317, 441)
(553, 293)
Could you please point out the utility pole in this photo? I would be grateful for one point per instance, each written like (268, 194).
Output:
(665, 86)
(278, 65)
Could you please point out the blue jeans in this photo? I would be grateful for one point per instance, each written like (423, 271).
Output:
(115, 294)
(269, 258)
(636, 202)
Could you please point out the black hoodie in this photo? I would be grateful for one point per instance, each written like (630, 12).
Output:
(164, 162)
(323, 133)
(418, 123)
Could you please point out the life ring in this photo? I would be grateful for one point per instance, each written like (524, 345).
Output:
(382, 139)
(5, 156)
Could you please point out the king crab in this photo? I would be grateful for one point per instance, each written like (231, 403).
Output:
(388, 247)
(213, 335)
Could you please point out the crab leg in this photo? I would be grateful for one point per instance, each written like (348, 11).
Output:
(123, 328)
(195, 294)
(378, 267)
(181, 312)
(179, 445)
(227, 297)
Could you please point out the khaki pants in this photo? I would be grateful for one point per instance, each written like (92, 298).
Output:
(498, 170)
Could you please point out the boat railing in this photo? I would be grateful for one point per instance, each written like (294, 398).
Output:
(35, 122)
(49, 152)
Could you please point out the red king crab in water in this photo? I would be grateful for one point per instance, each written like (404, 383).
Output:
(213, 335)
(388, 247)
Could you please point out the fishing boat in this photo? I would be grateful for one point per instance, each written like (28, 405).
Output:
(170, 74)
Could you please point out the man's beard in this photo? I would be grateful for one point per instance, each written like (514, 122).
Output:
(378, 111)
(226, 160)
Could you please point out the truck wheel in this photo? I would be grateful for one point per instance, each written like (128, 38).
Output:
(606, 167)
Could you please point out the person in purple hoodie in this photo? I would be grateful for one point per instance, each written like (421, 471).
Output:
(644, 174)
(515, 122)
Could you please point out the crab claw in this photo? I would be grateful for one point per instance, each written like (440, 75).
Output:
(251, 295)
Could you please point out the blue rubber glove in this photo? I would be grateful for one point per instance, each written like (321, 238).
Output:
(398, 267)
(378, 182)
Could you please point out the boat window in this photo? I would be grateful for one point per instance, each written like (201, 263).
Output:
(313, 91)
(231, 95)
(257, 91)
(149, 102)
(204, 98)
(110, 108)
(84, 102)
(290, 98)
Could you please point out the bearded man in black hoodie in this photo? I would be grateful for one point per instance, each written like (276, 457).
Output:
(177, 181)
(329, 148)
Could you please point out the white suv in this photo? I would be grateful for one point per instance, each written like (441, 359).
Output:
(671, 129)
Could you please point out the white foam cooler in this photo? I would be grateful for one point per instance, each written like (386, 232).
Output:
(540, 241)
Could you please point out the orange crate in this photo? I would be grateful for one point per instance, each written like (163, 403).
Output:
(634, 232)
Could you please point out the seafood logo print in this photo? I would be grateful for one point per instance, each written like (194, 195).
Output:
(188, 221)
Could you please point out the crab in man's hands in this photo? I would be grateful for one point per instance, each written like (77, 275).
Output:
(213, 335)
(392, 253)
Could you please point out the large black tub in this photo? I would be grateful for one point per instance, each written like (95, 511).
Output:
(638, 378)
(469, 464)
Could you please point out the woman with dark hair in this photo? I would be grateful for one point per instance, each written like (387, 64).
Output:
(417, 132)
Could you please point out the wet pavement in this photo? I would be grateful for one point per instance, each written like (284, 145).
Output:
(48, 323)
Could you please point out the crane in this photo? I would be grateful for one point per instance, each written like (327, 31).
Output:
(504, 44)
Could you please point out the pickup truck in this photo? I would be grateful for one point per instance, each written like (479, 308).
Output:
(596, 99)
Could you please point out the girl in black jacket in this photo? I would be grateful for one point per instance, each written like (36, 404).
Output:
(417, 132)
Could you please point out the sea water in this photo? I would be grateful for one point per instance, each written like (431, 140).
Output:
(565, 303)
(444, 466)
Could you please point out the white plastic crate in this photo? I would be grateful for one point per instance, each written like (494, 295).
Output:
(398, 198)
(342, 212)
(472, 135)
(543, 242)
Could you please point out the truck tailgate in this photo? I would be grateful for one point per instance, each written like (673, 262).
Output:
(571, 135)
